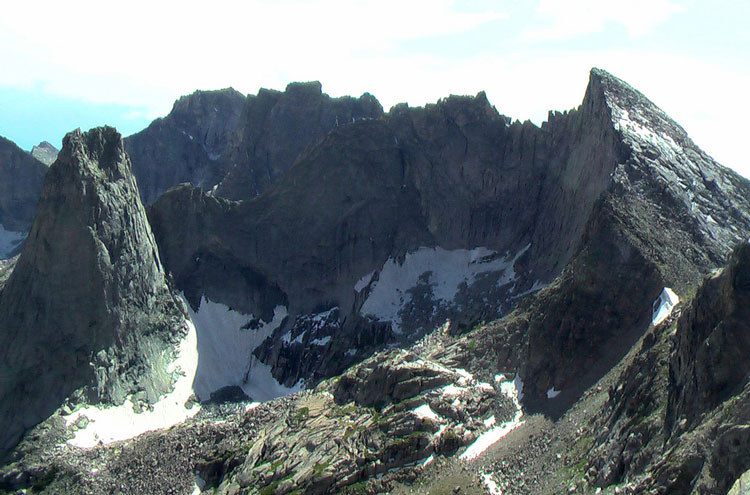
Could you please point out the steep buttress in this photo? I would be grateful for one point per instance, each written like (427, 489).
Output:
(87, 306)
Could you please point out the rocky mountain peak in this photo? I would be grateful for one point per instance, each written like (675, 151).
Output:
(87, 308)
(188, 144)
(201, 104)
(304, 89)
(45, 152)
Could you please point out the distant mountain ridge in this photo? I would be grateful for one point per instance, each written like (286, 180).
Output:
(234, 146)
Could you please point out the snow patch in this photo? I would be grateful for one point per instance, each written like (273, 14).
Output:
(452, 389)
(490, 437)
(199, 485)
(262, 386)
(364, 282)
(635, 127)
(425, 411)
(465, 377)
(9, 241)
(226, 349)
(538, 285)
(663, 305)
(490, 484)
(321, 341)
(111, 424)
(552, 393)
(428, 460)
(447, 270)
(514, 389)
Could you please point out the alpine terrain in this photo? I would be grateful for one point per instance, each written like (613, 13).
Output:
(322, 297)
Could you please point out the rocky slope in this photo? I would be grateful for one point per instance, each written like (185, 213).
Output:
(20, 183)
(682, 427)
(234, 146)
(86, 308)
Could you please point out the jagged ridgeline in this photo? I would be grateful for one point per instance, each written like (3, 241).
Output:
(515, 269)
(237, 146)
(387, 227)
(87, 308)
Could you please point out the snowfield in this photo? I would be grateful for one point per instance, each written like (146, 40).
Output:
(446, 271)
(663, 305)
(111, 424)
(225, 351)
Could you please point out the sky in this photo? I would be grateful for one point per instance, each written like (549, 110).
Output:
(74, 64)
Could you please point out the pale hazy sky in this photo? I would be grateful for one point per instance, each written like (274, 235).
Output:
(84, 63)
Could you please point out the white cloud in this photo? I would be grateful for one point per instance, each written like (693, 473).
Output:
(573, 18)
(134, 114)
(147, 54)
(141, 51)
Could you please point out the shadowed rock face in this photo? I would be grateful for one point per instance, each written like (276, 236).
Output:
(233, 146)
(87, 304)
(276, 127)
(20, 183)
(188, 144)
(454, 175)
(677, 415)
(710, 361)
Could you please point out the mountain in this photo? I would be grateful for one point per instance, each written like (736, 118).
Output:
(677, 418)
(45, 153)
(234, 146)
(437, 300)
(20, 184)
(186, 145)
(86, 314)
(452, 211)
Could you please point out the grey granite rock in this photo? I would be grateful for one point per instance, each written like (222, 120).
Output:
(236, 147)
(87, 307)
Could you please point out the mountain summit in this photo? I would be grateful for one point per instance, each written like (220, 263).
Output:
(87, 307)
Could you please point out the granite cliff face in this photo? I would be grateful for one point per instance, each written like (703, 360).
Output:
(86, 308)
(276, 127)
(236, 147)
(187, 145)
(460, 212)
(20, 183)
